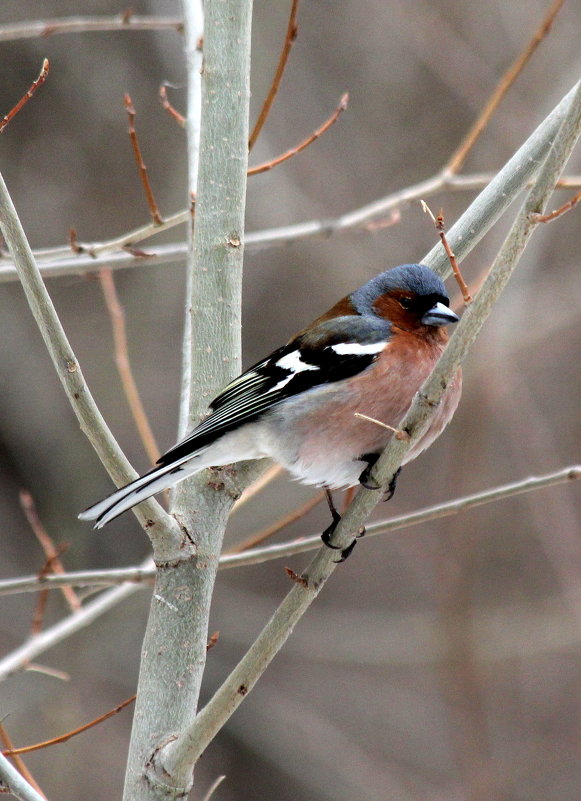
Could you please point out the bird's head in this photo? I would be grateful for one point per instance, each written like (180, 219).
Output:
(410, 296)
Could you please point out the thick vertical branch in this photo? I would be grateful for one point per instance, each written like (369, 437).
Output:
(173, 655)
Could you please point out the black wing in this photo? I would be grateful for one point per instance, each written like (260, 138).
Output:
(333, 351)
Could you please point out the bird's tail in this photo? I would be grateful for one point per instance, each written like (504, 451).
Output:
(154, 481)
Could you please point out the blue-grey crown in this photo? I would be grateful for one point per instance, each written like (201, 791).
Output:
(416, 278)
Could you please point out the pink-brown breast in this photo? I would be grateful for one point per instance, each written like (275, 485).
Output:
(383, 392)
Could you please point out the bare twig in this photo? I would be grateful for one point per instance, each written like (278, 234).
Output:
(18, 761)
(439, 223)
(26, 97)
(179, 118)
(50, 551)
(62, 738)
(213, 787)
(123, 22)
(289, 40)
(570, 204)
(153, 209)
(459, 156)
(305, 143)
(256, 539)
(117, 315)
(398, 433)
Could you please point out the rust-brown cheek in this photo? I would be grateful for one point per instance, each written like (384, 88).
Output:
(390, 308)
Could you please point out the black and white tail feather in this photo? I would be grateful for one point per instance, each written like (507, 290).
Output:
(331, 351)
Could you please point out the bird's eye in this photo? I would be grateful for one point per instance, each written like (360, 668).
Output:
(406, 303)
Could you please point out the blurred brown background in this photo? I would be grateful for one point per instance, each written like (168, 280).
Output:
(442, 663)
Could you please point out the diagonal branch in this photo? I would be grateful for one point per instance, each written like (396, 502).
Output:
(186, 749)
(459, 156)
(260, 168)
(26, 97)
(153, 208)
(162, 530)
(17, 784)
(289, 40)
(117, 317)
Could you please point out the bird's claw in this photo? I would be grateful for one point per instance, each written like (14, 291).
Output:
(345, 552)
(390, 489)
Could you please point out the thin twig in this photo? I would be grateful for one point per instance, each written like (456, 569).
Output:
(153, 209)
(459, 156)
(570, 204)
(56, 566)
(122, 22)
(398, 433)
(439, 224)
(179, 118)
(144, 575)
(261, 536)
(38, 617)
(289, 40)
(305, 143)
(213, 787)
(255, 488)
(18, 761)
(117, 316)
(62, 738)
(26, 97)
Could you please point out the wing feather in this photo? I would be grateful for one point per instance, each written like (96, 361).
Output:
(334, 350)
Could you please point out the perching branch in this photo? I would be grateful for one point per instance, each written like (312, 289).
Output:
(186, 749)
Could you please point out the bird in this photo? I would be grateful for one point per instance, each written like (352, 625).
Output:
(368, 355)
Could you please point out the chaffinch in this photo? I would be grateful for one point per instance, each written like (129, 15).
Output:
(370, 353)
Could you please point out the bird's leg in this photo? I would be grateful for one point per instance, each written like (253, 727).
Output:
(330, 530)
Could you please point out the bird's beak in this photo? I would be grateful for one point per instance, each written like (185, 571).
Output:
(438, 315)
